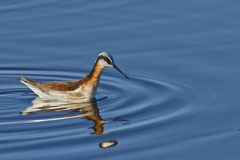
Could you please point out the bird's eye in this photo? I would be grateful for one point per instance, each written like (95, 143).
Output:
(106, 59)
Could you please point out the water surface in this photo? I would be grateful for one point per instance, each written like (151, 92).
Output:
(181, 101)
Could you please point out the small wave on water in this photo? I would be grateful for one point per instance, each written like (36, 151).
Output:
(119, 107)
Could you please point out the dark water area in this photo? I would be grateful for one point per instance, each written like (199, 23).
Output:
(182, 99)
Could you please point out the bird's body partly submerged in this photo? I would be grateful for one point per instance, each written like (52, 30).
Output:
(68, 90)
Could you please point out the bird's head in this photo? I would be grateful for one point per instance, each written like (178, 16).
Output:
(106, 60)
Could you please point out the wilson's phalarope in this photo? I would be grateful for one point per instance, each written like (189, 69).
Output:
(67, 90)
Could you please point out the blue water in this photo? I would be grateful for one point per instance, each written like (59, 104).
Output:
(182, 99)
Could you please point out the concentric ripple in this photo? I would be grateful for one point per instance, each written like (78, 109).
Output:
(120, 106)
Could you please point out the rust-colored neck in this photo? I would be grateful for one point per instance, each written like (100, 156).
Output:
(96, 71)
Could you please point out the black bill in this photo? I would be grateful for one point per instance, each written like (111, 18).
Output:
(114, 66)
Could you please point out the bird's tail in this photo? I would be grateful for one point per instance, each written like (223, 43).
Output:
(34, 86)
(27, 81)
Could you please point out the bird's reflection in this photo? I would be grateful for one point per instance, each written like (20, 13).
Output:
(87, 110)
